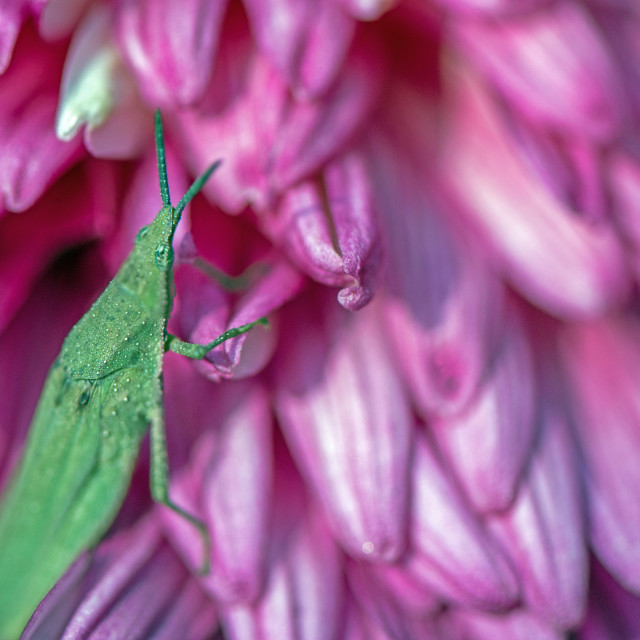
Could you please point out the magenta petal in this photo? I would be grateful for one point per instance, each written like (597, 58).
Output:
(330, 232)
(488, 444)
(237, 498)
(563, 264)
(306, 41)
(445, 307)
(516, 625)
(394, 601)
(613, 612)
(11, 16)
(32, 157)
(347, 421)
(303, 596)
(171, 46)
(544, 530)
(604, 364)
(315, 131)
(554, 65)
(452, 552)
(490, 7)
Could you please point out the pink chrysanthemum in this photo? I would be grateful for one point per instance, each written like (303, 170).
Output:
(434, 203)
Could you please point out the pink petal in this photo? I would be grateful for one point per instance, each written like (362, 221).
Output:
(445, 308)
(346, 419)
(329, 230)
(603, 360)
(367, 9)
(99, 92)
(11, 17)
(518, 624)
(269, 141)
(451, 551)
(554, 65)
(567, 267)
(306, 41)
(490, 7)
(625, 193)
(58, 18)
(392, 600)
(612, 612)
(171, 47)
(488, 444)
(303, 596)
(30, 240)
(544, 530)
(236, 498)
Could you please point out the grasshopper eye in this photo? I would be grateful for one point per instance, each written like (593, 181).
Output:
(164, 256)
(142, 232)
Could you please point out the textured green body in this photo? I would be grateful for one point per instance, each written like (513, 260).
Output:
(101, 394)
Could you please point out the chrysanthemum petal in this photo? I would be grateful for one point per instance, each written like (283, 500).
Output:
(171, 46)
(452, 552)
(346, 418)
(329, 230)
(604, 364)
(565, 265)
(554, 65)
(544, 530)
(488, 444)
(306, 41)
(302, 600)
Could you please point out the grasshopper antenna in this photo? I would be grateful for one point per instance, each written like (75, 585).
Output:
(162, 162)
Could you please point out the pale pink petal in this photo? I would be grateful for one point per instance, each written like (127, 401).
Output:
(445, 308)
(306, 41)
(452, 553)
(328, 228)
(604, 364)
(544, 530)
(564, 265)
(58, 18)
(553, 64)
(171, 46)
(99, 94)
(488, 444)
(346, 419)
(518, 624)
(490, 7)
(367, 9)
(302, 600)
(237, 498)
(12, 14)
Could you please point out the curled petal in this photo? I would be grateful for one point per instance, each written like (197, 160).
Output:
(452, 553)
(303, 595)
(306, 41)
(567, 266)
(171, 46)
(488, 444)
(603, 360)
(544, 529)
(445, 307)
(207, 310)
(346, 419)
(554, 65)
(330, 232)
(98, 91)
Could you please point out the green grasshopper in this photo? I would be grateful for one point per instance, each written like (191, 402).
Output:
(100, 395)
